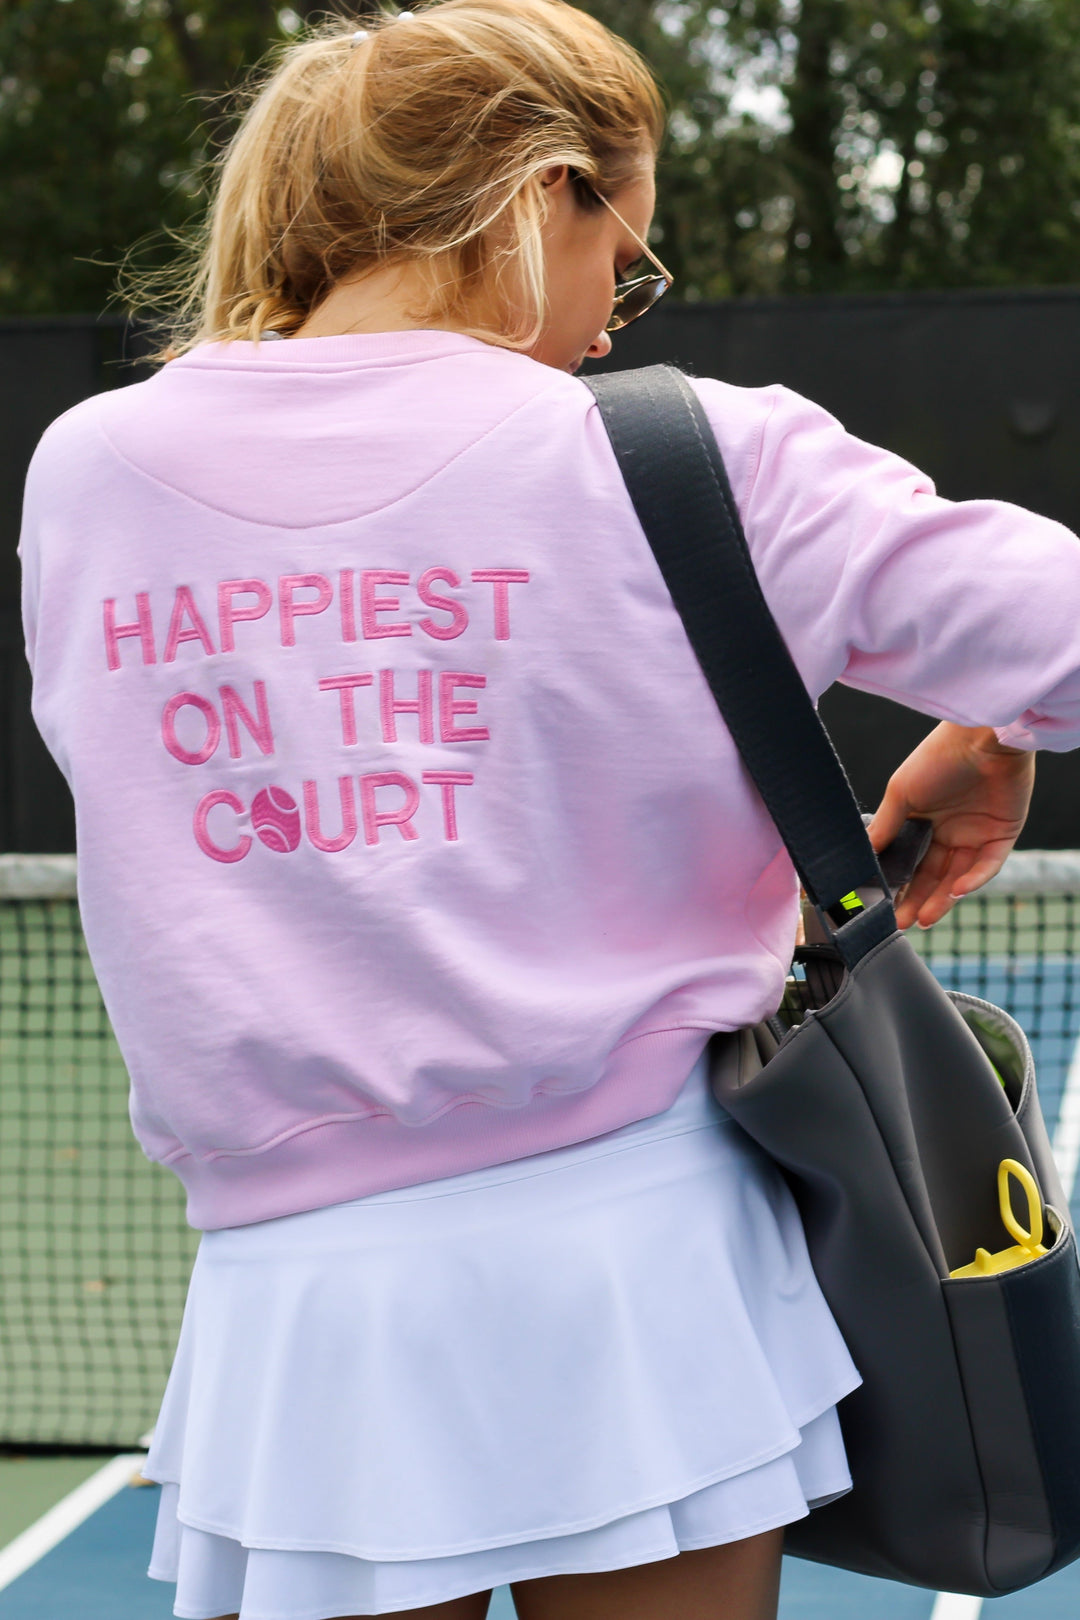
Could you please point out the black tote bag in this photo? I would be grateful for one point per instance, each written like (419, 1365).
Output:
(888, 1102)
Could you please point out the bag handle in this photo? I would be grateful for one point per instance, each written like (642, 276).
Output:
(676, 479)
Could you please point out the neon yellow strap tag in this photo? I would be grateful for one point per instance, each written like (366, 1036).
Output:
(851, 902)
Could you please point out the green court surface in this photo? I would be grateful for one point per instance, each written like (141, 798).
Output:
(29, 1486)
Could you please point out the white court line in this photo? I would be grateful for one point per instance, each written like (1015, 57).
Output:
(1066, 1145)
(956, 1606)
(66, 1516)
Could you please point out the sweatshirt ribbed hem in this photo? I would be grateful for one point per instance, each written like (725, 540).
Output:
(342, 1160)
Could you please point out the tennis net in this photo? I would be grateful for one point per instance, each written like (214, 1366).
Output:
(94, 1249)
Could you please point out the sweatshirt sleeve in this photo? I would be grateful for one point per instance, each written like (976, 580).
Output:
(30, 559)
(57, 496)
(965, 610)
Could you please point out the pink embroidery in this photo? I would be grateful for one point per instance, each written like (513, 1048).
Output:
(348, 611)
(202, 832)
(400, 818)
(289, 610)
(346, 685)
(275, 816)
(228, 615)
(449, 706)
(502, 578)
(234, 709)
(168, 728)
(459, 617)
(448, 781)
(348, 816)
(143, 628)
(421, 705)
(370, 604)
(184, 602)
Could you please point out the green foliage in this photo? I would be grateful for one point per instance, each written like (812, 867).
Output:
(86, 133)
(907, 143)
(972, 106)
(814, 145)
(108, 111)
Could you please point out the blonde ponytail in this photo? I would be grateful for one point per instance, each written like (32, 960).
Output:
(423, 142)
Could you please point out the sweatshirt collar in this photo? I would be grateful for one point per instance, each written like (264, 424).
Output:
(341, 352)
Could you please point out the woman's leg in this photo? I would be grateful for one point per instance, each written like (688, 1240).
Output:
(739, 1581)
(473, 1607)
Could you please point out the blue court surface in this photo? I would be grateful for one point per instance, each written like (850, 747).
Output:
(98, 1572)
(87, 1559)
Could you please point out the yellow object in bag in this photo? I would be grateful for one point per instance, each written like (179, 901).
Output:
(1029, 1244)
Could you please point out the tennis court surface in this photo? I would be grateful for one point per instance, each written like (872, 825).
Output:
(94, 1252)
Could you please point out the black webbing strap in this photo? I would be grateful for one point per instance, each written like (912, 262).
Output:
(676, 479)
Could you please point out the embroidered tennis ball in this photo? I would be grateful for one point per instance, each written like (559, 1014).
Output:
(276, 819)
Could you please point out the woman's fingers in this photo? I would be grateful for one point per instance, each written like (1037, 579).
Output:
(929, 894)
(991, 859)
(888, 818)
(945, 876)
(976, 794)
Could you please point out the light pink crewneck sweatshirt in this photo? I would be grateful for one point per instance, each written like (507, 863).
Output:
(410, 838)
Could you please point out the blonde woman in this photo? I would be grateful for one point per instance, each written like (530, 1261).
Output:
(418, 867)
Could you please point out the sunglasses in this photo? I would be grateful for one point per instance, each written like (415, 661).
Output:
(636, 297)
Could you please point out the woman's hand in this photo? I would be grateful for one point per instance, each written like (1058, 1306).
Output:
(976, 793)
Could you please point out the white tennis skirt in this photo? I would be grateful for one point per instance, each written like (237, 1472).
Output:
(583, 1360)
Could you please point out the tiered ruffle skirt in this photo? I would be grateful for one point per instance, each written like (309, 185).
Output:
(585, 1360)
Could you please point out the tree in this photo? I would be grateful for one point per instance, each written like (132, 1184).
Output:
(813, 145)
(91, 144)
(109, 110)
(928, 142)
(881, 144)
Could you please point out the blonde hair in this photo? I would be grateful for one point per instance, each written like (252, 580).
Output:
(421, 139)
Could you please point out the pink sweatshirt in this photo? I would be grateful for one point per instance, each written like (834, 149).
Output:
(410, 838)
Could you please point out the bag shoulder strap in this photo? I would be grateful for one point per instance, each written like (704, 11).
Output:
(676, 479)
